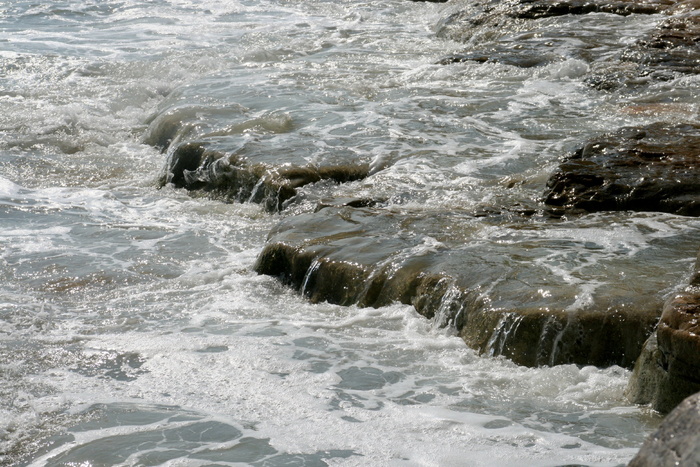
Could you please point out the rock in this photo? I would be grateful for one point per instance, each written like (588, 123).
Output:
(504, 55)
(673, 47)
(677, 441)
(668, 369)
(493, 277)
(548, 8)
(494, 14)
(194, 167)
(664, 53)
(652, 168)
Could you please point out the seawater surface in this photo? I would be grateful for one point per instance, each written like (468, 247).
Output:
(133, 330)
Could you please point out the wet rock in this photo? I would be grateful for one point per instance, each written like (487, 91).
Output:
(194, 167)
(671, 49)
(547, 8)
(505, 56)
(495, 14)
(502, 297)
(677, 441)
(652, 168)
(668, 369)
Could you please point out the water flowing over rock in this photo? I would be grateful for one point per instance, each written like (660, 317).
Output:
(194, 167)
(473, 278)
(677, 441)
(653, 168)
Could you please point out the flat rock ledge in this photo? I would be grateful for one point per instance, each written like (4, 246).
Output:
(677, 441)
(195, 167)
(503, 297)
(668, 370)
(651, 168)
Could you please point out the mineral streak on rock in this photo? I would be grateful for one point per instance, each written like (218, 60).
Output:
(652, 168)
(677, 441)
(502, 300)
(194, 167)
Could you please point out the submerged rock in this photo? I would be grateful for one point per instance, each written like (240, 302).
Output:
(677, 441)
(668, 369)
(528, 289)
(671, 49)
(194, 167)
(492, 14)
(652, 168)
(503, 55)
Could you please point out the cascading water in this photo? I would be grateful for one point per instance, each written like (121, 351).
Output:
(133, 330)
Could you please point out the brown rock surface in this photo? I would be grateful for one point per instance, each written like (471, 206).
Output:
(194, 167)
(502, 297)
(669, 368)
(652, 168)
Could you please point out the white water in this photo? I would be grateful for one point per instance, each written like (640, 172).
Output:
(132, 329)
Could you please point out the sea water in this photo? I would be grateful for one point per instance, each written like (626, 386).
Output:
(133, 330)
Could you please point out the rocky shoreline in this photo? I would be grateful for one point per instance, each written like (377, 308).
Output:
(360, 251)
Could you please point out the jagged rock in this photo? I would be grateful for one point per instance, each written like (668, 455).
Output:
(653, 168)
(674, 47)
(671, 49)
(677, 441)
(493, 14)
(195, 167)
(529, 9)
(668, 370)
(502, 297)
(503, 55)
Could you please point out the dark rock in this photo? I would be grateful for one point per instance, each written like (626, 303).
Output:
(493, 14)
(194, 167)
(653, 168)
(668, 369)
(529, 9)
(677, 441)
(673, 47)
(501, 299)
(505, 56)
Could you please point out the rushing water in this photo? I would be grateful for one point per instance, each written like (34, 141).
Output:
(132, 328)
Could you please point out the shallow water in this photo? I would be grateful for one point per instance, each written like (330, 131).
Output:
(132, 328)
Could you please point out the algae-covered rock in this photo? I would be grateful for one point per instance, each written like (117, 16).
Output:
(651, 168)
(539, 291)
(677, 441)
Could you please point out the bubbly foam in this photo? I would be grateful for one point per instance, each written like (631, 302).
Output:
(132, 329)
